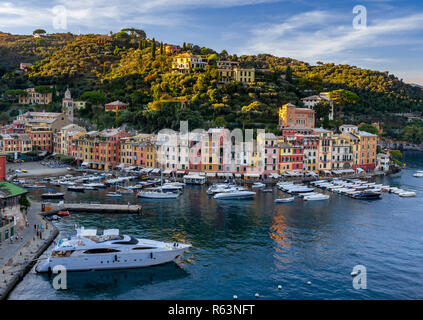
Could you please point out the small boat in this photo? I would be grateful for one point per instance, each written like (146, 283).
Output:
(367, 195)
(113, 194)
(125, 191)
(157, 195)
(267, 190)
(407, 194)
(316, 197)
(63, 213)
(76, 188)
(111, 250)
(238, 195)
(418, 174)
(258, 185)
(51, 195)
(284, 200)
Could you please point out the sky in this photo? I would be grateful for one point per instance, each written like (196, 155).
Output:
(383, 35)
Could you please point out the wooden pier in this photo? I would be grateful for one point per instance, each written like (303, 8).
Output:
(93, 208)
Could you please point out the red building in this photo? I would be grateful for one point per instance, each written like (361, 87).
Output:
(116, 106)
(2, 167)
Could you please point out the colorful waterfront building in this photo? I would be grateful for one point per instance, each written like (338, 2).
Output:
(63, 139)
(15, 142)
(310, 152)
(100, 150)
(325, 150)
(42, 138)
(342, 153)
(366, 150)
(271, 155)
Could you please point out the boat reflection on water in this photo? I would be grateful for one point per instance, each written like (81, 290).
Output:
(113, 283)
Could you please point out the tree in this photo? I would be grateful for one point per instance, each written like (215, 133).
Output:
(288, 74)
(368, 128)
(322, 110)
(4, 118)
(413, 133)
(220, 122)
(153, 49)
(39, 32)
(161, 48)
(43, 89)
(93, 97)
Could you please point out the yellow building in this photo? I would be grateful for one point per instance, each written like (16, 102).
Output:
(34, 97)
(286, 152)
(230, 71)
(325, 150)
(186, 62)
(244, 75)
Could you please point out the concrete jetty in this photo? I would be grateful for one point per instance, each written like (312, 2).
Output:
(93, 208)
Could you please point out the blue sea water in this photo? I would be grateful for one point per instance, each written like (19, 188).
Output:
(252, 246)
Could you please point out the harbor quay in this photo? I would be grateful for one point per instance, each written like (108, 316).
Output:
(18, 256)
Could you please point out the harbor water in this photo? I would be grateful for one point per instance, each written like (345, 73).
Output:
(253, 246)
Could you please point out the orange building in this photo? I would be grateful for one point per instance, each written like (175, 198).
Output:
(366, 150)
(42, 139)
(291, 116)
(100, 150)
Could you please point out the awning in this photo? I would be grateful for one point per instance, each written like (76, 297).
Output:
(274, 175)
(155, 170)
(147, 170)
(252, 175)
(211, 174)
(168, 171)
(327, 171)
(229, 175)
(180, 172)
(122, 165)
(221, 174)
(359, 170)
(238, 175)
(85, 164)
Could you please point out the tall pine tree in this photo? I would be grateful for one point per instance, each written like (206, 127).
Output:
(153, 49)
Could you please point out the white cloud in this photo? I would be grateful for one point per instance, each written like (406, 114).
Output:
(321, 35)
(108, 13)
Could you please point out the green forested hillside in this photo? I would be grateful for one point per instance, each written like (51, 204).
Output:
(128, 67)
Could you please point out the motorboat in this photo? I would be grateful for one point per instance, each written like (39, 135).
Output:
(224, 188)
(76, 188)
(407, 194)
(258, 185)
(113, 194)
(158, 195)
(316, 197)
(238, 195)
(63, 213)
(418, 174)
(284, 200)
(51, 195)
(125, 191)
(267, 190)
(367, 195)
(111, 250)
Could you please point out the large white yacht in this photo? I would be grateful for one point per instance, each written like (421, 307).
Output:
(88, 251)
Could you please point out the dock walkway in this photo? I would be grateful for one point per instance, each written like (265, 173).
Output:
(94, 208)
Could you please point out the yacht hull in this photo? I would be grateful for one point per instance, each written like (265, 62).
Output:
(110, 261)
